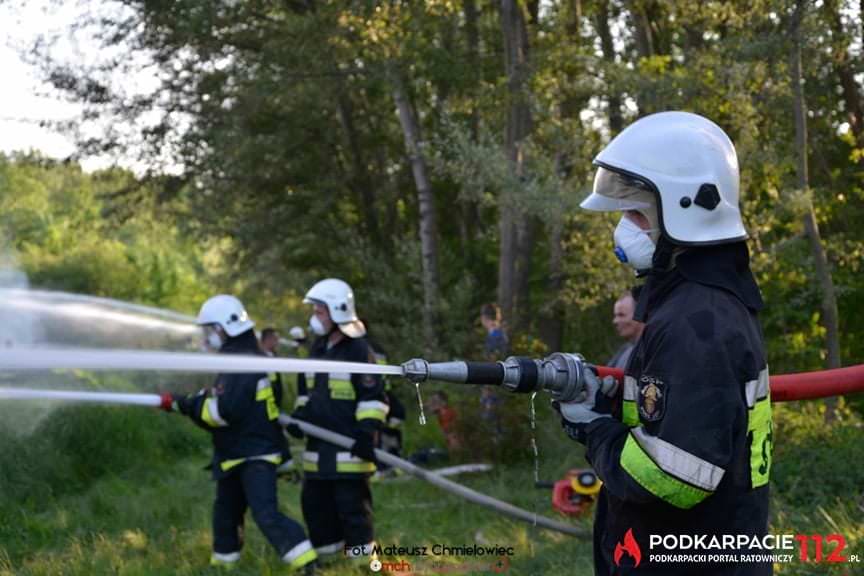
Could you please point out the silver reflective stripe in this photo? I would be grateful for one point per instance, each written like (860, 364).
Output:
(213, 409)
(331, 548)
(340, 376)
(630, 388)
(263, 384)
(348, 457)
(310, 456)
(373, 405)
(678, 462)
(297, 551)
(225, 558)
(757, 389)
(301, 401)
(359, 550)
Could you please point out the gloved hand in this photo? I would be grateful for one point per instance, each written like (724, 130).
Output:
(167, 404)
(364, 447)
(293, 429)
(597, 403)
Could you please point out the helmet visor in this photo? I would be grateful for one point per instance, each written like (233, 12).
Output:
(617, 192)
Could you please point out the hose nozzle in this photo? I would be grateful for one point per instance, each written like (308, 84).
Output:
(560, 374)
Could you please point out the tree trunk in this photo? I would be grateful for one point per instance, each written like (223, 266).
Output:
(518, 127)
(551, 323)
(361, 181)
(426, 203)
(616, 121)
(526, 230)
(846, 74)
(823, 272)
(641, 28)
(470, 211)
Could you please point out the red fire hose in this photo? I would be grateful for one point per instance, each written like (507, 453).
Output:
(800, 386)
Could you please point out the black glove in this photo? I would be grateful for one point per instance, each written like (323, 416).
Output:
(293, 429)
(364, 447)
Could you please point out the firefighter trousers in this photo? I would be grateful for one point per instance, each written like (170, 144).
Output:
(252, 485)
(338, 512)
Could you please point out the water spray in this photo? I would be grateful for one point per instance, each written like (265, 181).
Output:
(113, 398)
(119, 360)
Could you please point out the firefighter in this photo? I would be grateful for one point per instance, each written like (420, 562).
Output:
(241, 411)
(269, 345)
(336, 498)
(687, 451)
(390, 436)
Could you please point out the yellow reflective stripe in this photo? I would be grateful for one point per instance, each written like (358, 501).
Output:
(304, 558)
(272, 458)
(650, 476)
(265, 394)
(228, 464)
(347, 462)
(341, 389)
(679, 463)
(373, 409)
(372, 414)
(210, 413)
(760, 431)
(355, 467)
(629, 414)
(310, 461)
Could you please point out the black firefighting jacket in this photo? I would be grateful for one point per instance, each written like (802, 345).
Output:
(690, 450)
(342, 402)
(241, 413)
(396, 412)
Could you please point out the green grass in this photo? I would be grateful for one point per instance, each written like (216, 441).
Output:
(140, 504)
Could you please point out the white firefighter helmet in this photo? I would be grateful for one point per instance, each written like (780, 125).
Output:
(338, 297)
(684, 161)
(226, 311)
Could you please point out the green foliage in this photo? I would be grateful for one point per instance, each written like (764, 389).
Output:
(68, 231)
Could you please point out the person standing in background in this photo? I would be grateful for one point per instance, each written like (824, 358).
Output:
(627, 328)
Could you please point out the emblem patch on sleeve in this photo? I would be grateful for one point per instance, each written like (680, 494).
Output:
(651, 399)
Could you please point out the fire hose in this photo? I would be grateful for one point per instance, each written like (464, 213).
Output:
(563, 376)
(155, 401)
(560, 374)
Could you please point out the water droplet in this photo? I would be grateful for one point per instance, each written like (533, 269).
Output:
(420, 403)
(533, 416)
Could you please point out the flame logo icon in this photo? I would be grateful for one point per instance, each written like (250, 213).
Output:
(631, 547)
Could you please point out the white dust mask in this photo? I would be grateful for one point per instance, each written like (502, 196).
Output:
(633, 245)
(316, 326)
